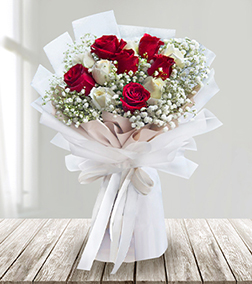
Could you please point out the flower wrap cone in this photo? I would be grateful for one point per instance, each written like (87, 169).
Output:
(128, 218)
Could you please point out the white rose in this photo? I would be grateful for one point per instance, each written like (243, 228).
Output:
(175, 53)
(131, 44)
(101, 96)
(85, 58)
(155, 87)
(101, 70)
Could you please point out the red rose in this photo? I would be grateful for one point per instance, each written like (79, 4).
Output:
(107, 46)
(149, 46)
(162, 64)
(135, 97)
(127, 61)
(78, 78)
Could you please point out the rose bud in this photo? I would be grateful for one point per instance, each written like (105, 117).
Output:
(135, 97)
(101, 96)
(127, 61)
(149, 46)
(77, 78)
(107, 46)
(161, 66)
(101, 70)
(85, 58)
(154, 86)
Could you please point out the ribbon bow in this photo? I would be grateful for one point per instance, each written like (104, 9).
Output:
(124, 178)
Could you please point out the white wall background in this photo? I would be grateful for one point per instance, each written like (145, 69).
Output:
(222, 184)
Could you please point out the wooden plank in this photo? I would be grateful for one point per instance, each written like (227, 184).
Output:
(180, 262)
(13, 246)
(211, 262)
(28, 264)
(7, 226)
(50, 252)
(244, 229)
(93, 276)
(237, 254)
(58, 265)
(125, 274)
(151, 271)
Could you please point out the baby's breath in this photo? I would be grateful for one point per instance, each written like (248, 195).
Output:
(76, 49)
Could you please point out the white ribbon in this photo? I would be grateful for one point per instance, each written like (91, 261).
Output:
(141, 181)
(100, 223)
(113, 210)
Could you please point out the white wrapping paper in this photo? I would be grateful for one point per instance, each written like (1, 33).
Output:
(128, 219)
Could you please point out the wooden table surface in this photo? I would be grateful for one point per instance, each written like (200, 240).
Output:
(48, 251)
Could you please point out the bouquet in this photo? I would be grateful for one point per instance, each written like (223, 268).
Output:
(126, 101)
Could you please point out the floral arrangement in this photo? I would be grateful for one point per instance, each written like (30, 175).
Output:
(126, 102)
(148, 81)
